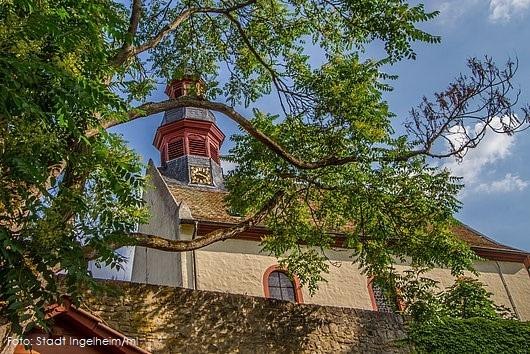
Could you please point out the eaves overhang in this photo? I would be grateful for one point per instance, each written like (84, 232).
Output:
(257, 233)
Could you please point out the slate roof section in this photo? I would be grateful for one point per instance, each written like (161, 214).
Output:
(210, 205)
(187, 113)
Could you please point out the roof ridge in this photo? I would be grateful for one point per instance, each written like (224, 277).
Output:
(209, 204)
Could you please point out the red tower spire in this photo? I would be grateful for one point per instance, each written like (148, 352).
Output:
(188, 138)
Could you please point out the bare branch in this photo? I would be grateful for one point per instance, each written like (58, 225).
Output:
(164, 244)
(486, 99)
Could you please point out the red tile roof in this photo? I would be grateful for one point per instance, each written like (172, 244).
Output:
(205, 204)
(210, 205)
(477, 239)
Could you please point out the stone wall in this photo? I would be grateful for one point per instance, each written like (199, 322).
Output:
(176, 320)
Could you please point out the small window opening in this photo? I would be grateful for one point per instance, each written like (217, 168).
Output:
(281, 287)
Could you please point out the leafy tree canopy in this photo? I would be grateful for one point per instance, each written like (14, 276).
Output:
(331, 163)
(461, 319)
(424, 302)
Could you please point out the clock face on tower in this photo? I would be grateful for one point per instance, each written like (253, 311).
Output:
(200, 175)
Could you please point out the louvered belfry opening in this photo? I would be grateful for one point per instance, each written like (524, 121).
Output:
(175, 149)
(197, 146)
(214, 153)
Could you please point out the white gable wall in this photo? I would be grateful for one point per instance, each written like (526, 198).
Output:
(153, 266)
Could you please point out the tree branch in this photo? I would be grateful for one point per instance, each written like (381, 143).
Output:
(150, 108)
(274, 76)
(124, 52)
(127, 52)
(428, 124)
(133, 22)
(483, 98)
(164, 244)
(153, 42)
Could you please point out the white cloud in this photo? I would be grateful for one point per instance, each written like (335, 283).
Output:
(452, 10)
(509, 183)
(492, 148)
(504, 10)
(480, 161)
(499, 10)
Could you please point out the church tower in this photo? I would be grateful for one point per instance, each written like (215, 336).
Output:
(189, 140)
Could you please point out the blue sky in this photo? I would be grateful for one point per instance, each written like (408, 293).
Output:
(496, 199)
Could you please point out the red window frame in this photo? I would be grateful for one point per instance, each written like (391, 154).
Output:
(298, 297)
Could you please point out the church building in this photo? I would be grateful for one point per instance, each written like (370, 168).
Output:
(160, 311)
(187, 201)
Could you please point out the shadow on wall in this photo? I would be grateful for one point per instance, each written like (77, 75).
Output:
(171, 320)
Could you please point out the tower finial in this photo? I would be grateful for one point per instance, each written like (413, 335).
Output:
(186, 85)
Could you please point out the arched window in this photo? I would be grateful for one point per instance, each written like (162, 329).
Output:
(278, 285)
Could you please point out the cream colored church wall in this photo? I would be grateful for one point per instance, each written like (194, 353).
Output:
(345, 282)
(517, 279)
(489, 276)
(516, 283)
(237, 266)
